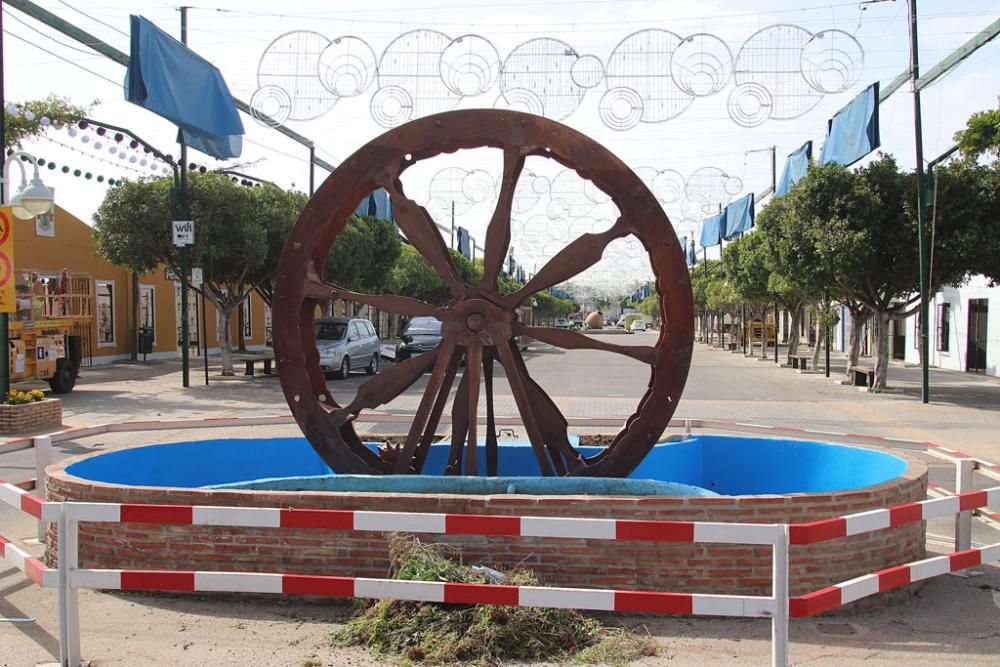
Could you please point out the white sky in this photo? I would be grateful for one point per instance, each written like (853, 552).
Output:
(234, 36)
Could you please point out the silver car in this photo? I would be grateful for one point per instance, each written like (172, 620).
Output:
(346, 345)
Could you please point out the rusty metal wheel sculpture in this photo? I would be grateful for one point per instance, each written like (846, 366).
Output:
(479, 324)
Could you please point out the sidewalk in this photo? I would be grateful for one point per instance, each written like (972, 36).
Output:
(953, 618)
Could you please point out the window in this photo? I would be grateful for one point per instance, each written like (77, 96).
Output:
(943, 326)
(916, 331)
(247, 319)
(147, 308)
(267, 324)
(356, 330)
(105, 313)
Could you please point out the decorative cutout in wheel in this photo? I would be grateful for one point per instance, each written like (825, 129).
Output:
(480, 324)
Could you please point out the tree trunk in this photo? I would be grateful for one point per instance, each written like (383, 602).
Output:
(224, 310)
(854, 342)
(793, 333)
(134, 352)
(881, 351)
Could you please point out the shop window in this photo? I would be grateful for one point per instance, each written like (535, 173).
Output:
(247, 319)
(943, 326)
(147, 308)
(105, 313)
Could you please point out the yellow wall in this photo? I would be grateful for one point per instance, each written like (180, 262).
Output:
(74, 248)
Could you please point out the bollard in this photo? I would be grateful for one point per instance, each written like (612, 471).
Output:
(43, 458)
(69, 607)
(779, 591)
(963, 520)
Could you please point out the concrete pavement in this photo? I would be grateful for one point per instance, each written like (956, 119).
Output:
(954, 618)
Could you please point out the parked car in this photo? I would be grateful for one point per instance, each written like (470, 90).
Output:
(420, 334)
(347, 344)
(637, 325)
(562, 323)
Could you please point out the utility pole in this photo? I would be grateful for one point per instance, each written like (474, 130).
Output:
(453, 224)
(4, 317)
(921, 240)
(185, 215)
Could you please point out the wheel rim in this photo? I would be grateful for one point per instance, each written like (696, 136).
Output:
(479, 325)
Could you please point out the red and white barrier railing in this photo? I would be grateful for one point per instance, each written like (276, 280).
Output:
(70, 577)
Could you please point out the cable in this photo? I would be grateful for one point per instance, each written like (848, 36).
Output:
(117, 84)
(30, 27)
(78, 11)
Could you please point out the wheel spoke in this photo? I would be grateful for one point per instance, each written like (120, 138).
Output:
(575, 258)
(390, 303)
(572, 340)
(445, 352)
(473, 367)
(551, 422)
(498, 232)
(421, 231)
(435, 417)
(459, 425)
(386, 386)
(491, 426)
(524, 406)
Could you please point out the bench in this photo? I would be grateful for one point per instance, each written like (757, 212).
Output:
(801, 361)
(864, 376)
(253, 361)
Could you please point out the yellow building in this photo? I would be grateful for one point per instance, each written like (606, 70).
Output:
(59, 241)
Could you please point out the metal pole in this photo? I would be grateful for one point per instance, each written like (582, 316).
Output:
(67, 550)
(826, 327)
(779, 589)
(4, 317)
(43, 459)
(204, 326)
(452, 225)
(776, 332)
(185, 215)
(963, 520)
(921, 241)
(774, 170)
(312, 171)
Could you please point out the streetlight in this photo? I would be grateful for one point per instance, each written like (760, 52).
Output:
(31, 199)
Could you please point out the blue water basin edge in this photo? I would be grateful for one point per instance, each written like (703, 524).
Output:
(698, 465)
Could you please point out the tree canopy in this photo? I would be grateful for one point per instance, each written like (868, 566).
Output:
(981, 135)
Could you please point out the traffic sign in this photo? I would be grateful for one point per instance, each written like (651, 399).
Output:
(183, 232)
(196, 276)
(8, 295)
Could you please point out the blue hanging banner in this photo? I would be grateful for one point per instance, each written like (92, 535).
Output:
(738, 218)
(796, 166)
(377, 205)
(172, 81)
(464, 245)
(711, 230)
(853, 131)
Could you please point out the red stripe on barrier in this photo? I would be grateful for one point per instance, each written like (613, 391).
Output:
(25, 484)
(157, 580)
(32, 505)
(817, 531)
(964, 559)
(893, 577)
(481, 594)
(814, 603)
(472, 524)
(653, 603)
(3, 541)
(310, 584)
(908, 513)
(163, 514)
(654, 531)
(332, 519)
(959, 454)
(972, 500)
(33, 569)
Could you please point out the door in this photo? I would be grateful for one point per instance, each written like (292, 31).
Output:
(898, 339)
(193, 319)
(975, 356)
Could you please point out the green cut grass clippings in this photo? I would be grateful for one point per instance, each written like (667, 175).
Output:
(432, 633)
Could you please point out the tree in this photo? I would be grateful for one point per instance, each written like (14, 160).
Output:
(132, 227)
(981, 136)
(413, 276)
(57, 110)
(746, 271)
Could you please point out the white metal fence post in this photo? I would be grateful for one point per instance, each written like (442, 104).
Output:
(779, 589)
(687, 427)
(69, 611)
(43, 457)
(963, 520)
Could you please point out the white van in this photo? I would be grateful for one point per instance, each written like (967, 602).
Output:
(637, 325)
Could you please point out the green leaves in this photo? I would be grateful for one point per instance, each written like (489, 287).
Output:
(56, 109)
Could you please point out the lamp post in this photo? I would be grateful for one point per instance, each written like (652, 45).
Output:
(31, 199)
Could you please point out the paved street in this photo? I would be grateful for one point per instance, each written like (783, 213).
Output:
(954, 618)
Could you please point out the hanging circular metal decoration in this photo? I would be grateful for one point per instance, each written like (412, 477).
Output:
(480, 323)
